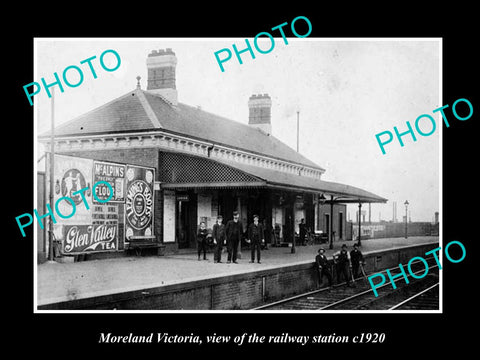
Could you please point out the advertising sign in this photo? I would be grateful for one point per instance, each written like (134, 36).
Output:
(91, 229)
(100, 235)
(139, 201)
(112, 173)
(70, 175)
(80, 239)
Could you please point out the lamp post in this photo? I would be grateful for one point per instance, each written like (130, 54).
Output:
(291, 219)
(406, 221)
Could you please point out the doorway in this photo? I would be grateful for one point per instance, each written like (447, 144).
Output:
(186, 220)
(340, 225)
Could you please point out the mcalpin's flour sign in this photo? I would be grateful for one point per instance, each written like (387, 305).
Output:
(114, 174)
(139, 201)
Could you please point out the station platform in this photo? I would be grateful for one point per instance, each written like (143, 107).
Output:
(57, 282)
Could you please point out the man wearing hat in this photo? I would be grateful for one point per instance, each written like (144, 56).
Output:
(233, 232)
(357, 257)
(255, 237)
(323, 267)
(342, 259)
(218, 234)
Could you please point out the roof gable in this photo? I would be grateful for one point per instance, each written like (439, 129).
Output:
(125, 113)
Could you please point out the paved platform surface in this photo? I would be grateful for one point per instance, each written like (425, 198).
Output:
(67, 281)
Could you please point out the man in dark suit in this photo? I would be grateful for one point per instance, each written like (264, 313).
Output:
(233, 232)
(342, 259)
(323, 267)
(255, 237)
(356, 257)
(218, 234)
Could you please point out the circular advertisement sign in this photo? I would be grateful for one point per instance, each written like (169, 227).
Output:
(139, 205)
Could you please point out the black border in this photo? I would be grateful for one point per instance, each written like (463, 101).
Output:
(411, 334)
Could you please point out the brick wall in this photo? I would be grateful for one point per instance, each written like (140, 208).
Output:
(161, 78)
(242, 294)
(290, 281)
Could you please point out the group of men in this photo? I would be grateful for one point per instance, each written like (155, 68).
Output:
(231, 235)
(347, 264)
(343, 261)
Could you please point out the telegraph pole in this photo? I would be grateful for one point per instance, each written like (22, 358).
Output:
(298, 131)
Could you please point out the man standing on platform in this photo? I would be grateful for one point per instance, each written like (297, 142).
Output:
(255, 237)
(302, 231)
(233, 231)
(218, 234)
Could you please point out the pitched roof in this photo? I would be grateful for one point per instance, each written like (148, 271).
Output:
(140, 110)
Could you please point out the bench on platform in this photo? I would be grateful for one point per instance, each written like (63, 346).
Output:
(139, 242)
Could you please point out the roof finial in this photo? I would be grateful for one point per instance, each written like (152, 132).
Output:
(138, 81)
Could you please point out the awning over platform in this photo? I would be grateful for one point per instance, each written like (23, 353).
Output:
(179, 171)
(341, 192)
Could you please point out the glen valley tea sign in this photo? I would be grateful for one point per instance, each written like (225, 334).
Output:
(90, 238)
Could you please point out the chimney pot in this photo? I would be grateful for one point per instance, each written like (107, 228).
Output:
(260, 112)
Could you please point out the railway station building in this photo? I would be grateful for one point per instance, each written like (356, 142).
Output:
(203, 165)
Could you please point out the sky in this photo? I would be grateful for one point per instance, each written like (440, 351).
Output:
(346, 92)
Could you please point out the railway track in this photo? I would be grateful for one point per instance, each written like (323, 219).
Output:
(418, 294)
(426, 299)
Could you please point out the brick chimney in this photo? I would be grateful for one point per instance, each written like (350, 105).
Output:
(161, 74)
(260, 112)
